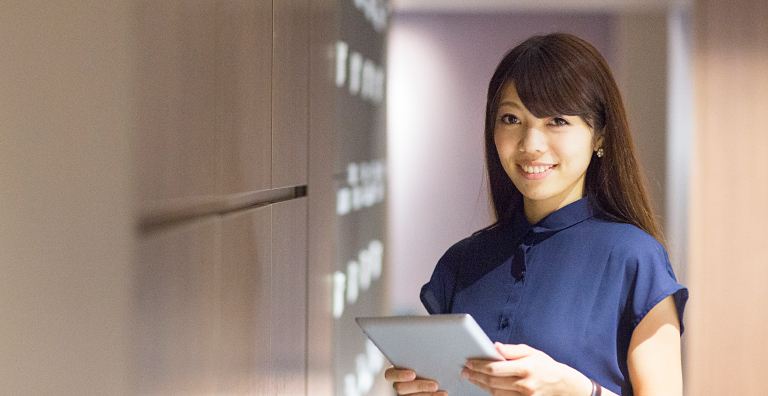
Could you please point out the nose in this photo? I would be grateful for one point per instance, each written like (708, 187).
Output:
(533, 141)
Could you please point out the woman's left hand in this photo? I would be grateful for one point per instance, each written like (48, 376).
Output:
(527, 371)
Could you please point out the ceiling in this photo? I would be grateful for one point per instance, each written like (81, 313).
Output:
(532, 5)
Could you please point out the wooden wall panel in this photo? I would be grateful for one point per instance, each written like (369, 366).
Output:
(245, 298)
(321, 198)
(642, 76)
(289, 297)
(175, 96)
(290, 98)
(67, 196)
(177, 314)
(727, 351)
(244, 106)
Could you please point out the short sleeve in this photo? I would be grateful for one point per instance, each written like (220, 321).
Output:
(437, 294)
(654, 281)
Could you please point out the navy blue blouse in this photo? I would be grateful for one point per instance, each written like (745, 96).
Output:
(571, 285)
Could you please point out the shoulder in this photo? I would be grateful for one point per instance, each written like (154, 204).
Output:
(646, 269)
(625, 249)
(644, 263)
(626, 239)
(461, 263)
(482, 242)
(484, 249)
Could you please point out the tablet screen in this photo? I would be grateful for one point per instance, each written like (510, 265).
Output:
(435, 346)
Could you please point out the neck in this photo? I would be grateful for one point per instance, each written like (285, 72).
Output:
(535, 210)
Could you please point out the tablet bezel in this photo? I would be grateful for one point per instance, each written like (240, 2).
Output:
(435, 346)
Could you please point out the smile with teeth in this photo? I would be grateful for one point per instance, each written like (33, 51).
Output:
(536, 169)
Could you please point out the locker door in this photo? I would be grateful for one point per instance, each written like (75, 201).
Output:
(290, 97)
(175, 96)
(244, 96)
(289, 292)
(177, 314)
(245, 296)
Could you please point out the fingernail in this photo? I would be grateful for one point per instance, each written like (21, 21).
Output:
(433, 387)
(464, 374)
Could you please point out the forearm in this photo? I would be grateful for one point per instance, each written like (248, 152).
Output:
(577, 384)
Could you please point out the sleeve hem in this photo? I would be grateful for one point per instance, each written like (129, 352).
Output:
(428, 300)
(680, 296)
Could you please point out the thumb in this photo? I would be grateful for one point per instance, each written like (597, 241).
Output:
(514, 352)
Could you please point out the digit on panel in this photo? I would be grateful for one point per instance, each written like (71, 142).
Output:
(339, 284)
(353, 277)
(355, 72)
(342, 52)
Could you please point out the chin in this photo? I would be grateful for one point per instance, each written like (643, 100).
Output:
(536, 196)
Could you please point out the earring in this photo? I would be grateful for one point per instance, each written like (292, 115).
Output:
(599, 152)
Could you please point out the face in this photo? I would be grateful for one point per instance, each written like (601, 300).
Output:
(546, 158)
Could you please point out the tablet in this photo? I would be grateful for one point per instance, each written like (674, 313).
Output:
(435, 346)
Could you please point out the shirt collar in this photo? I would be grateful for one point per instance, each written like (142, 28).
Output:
(565, 217)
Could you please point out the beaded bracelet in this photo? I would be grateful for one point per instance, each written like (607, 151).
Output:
(597, 390)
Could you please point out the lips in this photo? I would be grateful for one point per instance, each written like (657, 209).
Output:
(537, 172)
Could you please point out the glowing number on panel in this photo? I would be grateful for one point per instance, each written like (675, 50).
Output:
(364, 375)
(376, 250)
(339, 283)
(343, 201)
(369, 79)
(352, 282)
(365, 77)
(342, 50)
(350, 385)
(367, 366)
(359, 276)
(365, 187)
(375, 12)
(355, 72)
(375, 358)
(364, 257)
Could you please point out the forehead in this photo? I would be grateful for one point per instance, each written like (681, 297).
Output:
(509, 96)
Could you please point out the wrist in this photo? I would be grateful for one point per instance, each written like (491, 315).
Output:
(578, 384)
(597, 390)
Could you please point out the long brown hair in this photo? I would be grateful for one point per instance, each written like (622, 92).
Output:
(561, 74)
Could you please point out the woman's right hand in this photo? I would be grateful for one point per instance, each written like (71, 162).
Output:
(404, 382)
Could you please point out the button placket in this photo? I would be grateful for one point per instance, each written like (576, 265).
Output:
(517, 269)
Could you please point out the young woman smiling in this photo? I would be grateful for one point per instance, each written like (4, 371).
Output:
(571, 280)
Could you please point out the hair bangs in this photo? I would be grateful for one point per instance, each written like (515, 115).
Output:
(552, 82)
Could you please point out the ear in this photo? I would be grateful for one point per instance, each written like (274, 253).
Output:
(598, 140)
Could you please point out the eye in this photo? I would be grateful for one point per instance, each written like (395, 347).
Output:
(509, 119)
(560, 121)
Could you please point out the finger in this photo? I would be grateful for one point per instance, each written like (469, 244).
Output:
(490, 381)
(399, 375)
(438, 393)
(514, 351)
(507, 368)
(415, 387)
(495, 391)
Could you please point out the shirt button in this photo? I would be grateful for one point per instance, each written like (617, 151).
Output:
(505, 323)
(520, 277)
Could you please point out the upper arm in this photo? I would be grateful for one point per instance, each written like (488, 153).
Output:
(654, 359)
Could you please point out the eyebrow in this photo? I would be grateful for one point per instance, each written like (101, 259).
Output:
(510, 103)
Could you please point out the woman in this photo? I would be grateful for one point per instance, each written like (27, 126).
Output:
(570, 280)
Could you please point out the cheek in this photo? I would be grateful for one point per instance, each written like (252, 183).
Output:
(578, 157)
(499, 147)
(503, 145)
(578, 148)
